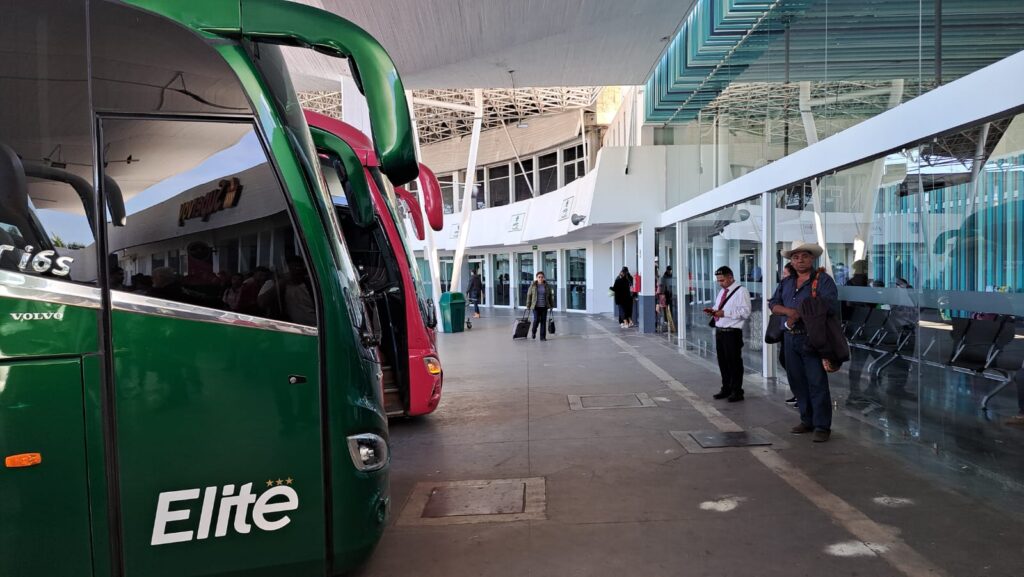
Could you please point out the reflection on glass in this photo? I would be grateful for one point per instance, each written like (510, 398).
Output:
(927, 248)
(729, 237)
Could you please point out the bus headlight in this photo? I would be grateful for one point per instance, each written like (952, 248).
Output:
(433, 365)
(369, 452)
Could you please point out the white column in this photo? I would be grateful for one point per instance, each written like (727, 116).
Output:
(645, 266)
(354, 109)
(430, 250)
(467, 199)
(681, 273)
(629, 252)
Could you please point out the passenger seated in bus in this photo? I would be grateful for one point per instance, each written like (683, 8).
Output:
(297, 294)
(232, 294)
(253, 288)
(166, 285)
(117, 279)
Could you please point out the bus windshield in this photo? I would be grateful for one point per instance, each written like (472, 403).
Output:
(390, 198)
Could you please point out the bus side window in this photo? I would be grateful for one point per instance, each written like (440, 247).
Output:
(207, 222)
(46, 194)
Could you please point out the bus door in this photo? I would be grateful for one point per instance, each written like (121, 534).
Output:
(215, 350)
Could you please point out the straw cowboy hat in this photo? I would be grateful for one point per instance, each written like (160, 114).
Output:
(801, 246)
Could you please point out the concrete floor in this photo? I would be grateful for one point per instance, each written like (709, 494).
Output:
(624, 497)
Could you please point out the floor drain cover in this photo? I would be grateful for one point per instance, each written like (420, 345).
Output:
(485, 501)
(717, 439)
(631, 400)
(489, 499)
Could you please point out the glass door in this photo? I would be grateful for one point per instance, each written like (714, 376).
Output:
(549, 266)
(502, 281)
(477, 264)
(447, 267)
(524, 269)
(576, 269)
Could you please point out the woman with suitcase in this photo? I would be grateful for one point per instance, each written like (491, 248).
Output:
(540, 299)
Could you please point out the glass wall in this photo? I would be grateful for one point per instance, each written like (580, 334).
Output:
(666, 295)
(524, 270)
(576, 268)
(812, 68)
(927, 246)
(728, 237)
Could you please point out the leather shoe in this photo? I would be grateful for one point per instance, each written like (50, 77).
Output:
(721, 394)
(734, 398)
(801, 429)
(821, 436)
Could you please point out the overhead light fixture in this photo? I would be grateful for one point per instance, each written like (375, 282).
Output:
(56, 158)
(522, 124)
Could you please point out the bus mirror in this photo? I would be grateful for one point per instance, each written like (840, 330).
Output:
(413, 207)
(350, 172)
(432, 198)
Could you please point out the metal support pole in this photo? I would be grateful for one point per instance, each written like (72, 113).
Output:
(938, 43)
(768, 278)
(467, 200)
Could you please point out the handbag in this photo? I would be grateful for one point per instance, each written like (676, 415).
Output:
(551, 326)
(775, 330)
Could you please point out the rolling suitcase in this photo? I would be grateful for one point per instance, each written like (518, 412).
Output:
(522, 327)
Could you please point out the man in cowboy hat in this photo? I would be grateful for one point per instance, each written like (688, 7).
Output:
(806, 370)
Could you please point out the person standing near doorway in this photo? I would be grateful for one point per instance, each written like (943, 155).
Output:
(475, 290)
(622, 289)
(540, 298)
(805, 369)
(732, 310)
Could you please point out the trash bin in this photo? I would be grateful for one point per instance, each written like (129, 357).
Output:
(453, 312)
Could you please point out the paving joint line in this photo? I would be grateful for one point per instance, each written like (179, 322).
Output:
(883, 541)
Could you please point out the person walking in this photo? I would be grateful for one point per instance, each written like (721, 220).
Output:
(732, 311)
(622, 289)
(540, 298)
(475, 290)
(806, 370)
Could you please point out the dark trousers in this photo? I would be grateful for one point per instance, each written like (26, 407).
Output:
(729, 346)
(809, 382)
(540, 317)
(626, 311)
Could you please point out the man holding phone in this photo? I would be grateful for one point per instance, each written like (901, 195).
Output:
(733, 310)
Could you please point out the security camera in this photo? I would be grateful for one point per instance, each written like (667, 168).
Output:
(577, 219)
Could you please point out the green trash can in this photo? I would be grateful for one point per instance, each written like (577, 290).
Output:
(453, 312)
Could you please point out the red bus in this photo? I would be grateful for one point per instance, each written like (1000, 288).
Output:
(412, 375)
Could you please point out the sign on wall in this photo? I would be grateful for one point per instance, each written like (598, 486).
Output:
(223, 197)
(566, 210)
(517, 221)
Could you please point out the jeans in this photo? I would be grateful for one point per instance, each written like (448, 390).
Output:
(540, 317)
(809, 382)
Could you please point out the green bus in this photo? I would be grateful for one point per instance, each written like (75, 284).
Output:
(189, 377)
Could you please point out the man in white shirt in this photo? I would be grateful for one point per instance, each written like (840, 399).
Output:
(732, 308)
